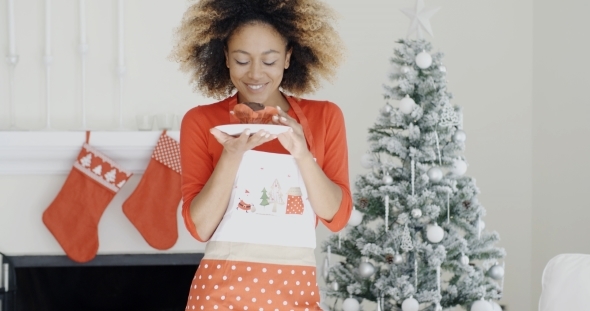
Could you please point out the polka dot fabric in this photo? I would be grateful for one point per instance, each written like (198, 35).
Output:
(238, 285)
(294, 201)
(167, 152)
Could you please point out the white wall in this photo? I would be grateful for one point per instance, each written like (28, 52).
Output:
(488, 47)
(560, 133)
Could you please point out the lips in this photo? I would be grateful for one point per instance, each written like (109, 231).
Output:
(256, 87)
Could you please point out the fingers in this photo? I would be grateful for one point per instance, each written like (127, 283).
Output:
(260, 138)
(219, 135)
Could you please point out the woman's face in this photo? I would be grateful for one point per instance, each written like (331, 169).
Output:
(257, 56)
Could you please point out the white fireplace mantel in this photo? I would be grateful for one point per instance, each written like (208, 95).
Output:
(54, 152)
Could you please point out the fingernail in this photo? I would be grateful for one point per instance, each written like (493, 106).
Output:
(275, 117)
(290, 130)
(279, 108)
(283, 119)
(261, 133)
(247, 132)
(267, 135)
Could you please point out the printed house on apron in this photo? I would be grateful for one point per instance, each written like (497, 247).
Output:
(294, 201)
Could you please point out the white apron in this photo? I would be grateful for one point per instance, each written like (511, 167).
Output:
(261, 256)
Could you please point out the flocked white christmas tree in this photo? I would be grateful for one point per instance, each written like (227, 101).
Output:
(416, 239)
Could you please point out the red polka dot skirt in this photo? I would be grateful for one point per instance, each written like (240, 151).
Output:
(239, 285)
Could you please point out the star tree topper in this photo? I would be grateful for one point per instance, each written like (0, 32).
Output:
(420, 18)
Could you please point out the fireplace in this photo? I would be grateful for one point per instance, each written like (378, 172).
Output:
(158, 282)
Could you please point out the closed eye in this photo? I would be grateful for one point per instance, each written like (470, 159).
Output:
(241, 63)
(270, 64)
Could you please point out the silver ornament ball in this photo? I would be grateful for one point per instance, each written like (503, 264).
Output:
(434, 233)
(334, 286)
(406, 105)
(416, 213)
(482, 225)
(460, 136)
(387, 179)
(464, 260)
(356, 218)
(435, 174)
(351, 304)
(459, 167)
(366, 269)
(410, 304)
(423, 60)
(481, 305)
(397, 259)
(387, 108)
(496, 272)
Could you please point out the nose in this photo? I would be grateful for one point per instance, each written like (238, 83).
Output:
(255, 71)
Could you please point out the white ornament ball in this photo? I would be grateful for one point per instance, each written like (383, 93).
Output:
(335, 286)
(459, 167)
(464, 260)
(387, 179)
(387, 108)
(367, 160)
(442, 68)
(397, 259)
(416, 213)
(423, 60)
(351, 304)
(366, 269)
(406, 105)
(356, 218)
(410, 304)
(404, 69)
(460, 136)
(495, 306)
(496, 272)
(435, 174)
(481, 305)
(434, 233)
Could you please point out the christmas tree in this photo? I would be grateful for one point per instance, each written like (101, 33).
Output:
(264, 198)
(416, 239)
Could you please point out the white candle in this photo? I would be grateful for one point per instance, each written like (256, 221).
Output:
(11, 34)
(47, 27)
(82, 7)
(121, 34)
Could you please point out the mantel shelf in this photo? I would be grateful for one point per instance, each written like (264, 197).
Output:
(54, 152)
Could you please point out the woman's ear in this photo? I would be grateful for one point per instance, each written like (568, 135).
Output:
(288, 58)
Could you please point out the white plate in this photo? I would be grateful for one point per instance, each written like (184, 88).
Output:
(237, 129)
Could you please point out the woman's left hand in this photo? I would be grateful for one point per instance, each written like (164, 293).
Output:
(292, 140)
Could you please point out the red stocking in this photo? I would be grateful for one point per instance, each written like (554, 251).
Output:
(152, 207)
(74, 214)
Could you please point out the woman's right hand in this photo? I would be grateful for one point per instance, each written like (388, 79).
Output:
(237, 146)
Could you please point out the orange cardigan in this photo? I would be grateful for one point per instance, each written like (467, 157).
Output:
(200, 151)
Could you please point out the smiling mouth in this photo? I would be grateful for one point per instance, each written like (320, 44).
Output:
(255, 86)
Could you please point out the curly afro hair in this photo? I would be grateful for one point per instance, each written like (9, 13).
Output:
(202, 37)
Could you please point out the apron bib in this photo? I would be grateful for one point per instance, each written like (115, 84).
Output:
(261, 256)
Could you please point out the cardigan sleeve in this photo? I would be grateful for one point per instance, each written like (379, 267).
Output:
(196, 162)
(335, 165)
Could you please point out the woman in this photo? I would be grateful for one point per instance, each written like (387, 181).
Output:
(260, 258)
